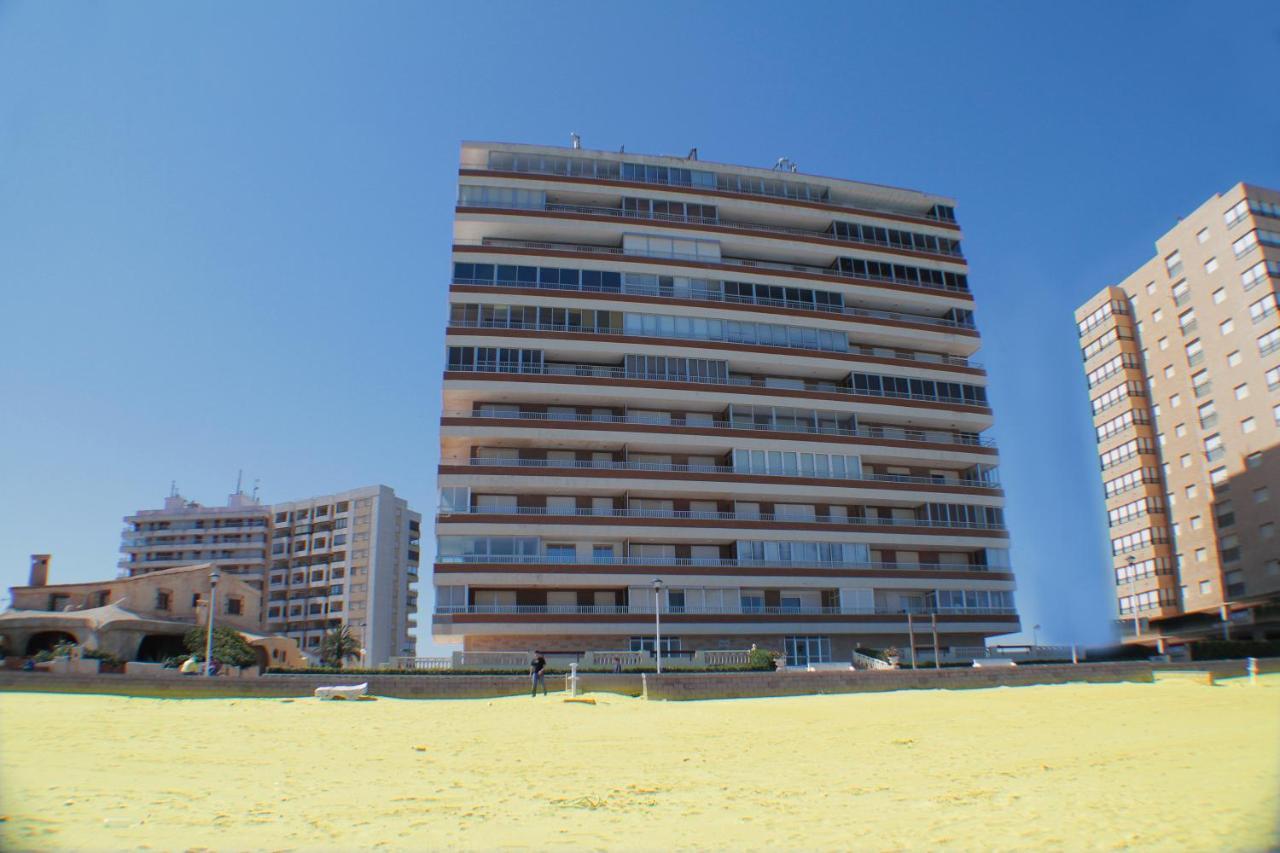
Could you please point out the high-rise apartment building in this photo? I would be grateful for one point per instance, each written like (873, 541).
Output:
(1182, 360)
(349, 558)
(233, 537)
(747, 388)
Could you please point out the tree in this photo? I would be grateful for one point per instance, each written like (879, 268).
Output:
(229, 646)
(338, 645)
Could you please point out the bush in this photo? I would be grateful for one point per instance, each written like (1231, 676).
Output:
(761, 659)
(229, 647)
(1231, 649)
(106, 658)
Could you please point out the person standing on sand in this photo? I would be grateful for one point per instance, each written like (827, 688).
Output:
(536, 668)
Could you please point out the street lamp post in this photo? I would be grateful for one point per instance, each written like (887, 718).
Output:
(213, 605)
(1133, 599)
(1035, 637)
(657, 622)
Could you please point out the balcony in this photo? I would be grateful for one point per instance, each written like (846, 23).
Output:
(650, 562)
(598, 371)
(617, 253)
(893, 433)
(729, 299)
(661, 467)
(749, 186)
(812, 345)
(746, 612)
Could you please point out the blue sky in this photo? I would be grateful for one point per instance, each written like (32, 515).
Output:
(224, 228)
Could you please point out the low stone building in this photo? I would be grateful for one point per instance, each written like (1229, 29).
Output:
(136, 618)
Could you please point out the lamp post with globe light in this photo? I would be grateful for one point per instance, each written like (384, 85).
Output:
(213, 605)
(657, 622)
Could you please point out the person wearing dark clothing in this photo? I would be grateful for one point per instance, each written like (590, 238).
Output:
(536, 668)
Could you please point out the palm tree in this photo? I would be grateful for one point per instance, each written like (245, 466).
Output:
(338, 646)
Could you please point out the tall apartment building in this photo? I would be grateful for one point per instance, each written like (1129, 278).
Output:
(232, 537)
(749, 388)
(349, 558)
(1182, 360)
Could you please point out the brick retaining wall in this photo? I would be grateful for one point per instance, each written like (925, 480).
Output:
(728, 685)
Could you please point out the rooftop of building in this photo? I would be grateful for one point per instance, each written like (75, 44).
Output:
(870, 194)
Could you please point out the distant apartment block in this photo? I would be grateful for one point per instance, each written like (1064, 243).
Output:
(349, 558)
(751, 389)
(1182, 360)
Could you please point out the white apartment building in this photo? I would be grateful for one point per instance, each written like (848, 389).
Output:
(347, 558)
(746, 393)
(352, 558)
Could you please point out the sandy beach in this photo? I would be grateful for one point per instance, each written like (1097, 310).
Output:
(1108, 766)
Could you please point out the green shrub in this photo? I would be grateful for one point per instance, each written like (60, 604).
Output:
(106, 658)
(229, 647)
(761, 659)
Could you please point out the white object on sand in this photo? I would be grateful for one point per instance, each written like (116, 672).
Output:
(352, 692)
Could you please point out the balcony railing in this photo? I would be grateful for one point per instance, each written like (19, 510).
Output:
(619, 254)
(694, 515)
(605, 372)
(668, 467)
(812, 346)
(705, 562)
(894, 433)
(723, 185)
(684, 219)
(625, 610)
(720, 296)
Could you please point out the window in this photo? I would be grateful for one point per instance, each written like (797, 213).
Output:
(1224, 514)
(1151, 287)
(1248, 425)
(1264, 307)
(1197, 522)
(1213, 449)
(1256, 274)
(802, 651)
(1236, 213)
(1268, 530)
(163, 599)
(1201, 555)
(1227, 326)
(1261, 495)
(1187, 320)
(1191, 491)
(1180, 430)
(1253, 460)
(645, 644)
(235, 606)
(1234, 359)
(1202, 236)
(1246, 244)
(1208, 415)
(1211, 265)
(1173, 264)
(1175, 401)
(1206, 587)
(1157, 315)
(1218, 476)
(1219, 296)
(1168, 371)
(1163, 343)
(1185, 460)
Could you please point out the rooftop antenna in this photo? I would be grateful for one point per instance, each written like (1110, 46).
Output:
(173, 488)
(622, 149)
(693, 153)
(239, 479)
(255, 487)
(575, 140)
(785, 164)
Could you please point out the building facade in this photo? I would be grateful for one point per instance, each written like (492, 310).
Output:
(744, 394)
(348, 558)
(1182, 360)
(233, 537)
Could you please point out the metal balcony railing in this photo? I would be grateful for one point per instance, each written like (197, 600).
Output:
(895, 433)
(746, 263)
(693, 515)
(666, 467)
(685, 219)
(722, 297)
(624, 610)
(606, 372)
(704, 562)
(725, 183)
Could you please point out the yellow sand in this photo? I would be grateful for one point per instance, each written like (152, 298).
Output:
(1170, 766)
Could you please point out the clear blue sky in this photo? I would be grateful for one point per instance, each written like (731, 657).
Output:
(224, 228)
